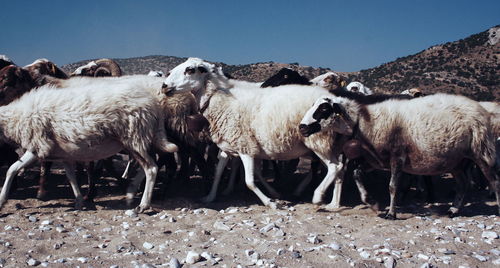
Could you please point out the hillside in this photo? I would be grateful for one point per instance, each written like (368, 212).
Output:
(470, 66)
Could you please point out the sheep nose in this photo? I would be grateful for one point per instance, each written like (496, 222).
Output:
(165, 88)
(304, 130)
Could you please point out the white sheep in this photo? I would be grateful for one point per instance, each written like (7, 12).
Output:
(255, 123)
(424, 136)
(89, 120)
(156, 73)
(358, 87)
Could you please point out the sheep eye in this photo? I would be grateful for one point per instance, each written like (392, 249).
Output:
(190, 70)
(202, 69)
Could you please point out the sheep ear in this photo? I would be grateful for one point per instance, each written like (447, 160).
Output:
(218, 78)
(337, 109)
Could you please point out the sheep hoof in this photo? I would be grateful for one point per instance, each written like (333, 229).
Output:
(331, 207)
(140, 209)
(79, 205)
(390, 216)
(42, 195)
(278, 204)
(375, 207)
(452, 212)
(317, 199)
(207, 199)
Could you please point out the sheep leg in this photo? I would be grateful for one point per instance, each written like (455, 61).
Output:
(235, 166)
(223, 158)
(492, 177)
(249, 165)
(338, 176)
(69, 167)
(91, 190)
(151, 170)
(462, 186)
(332, 174)
(396, 172)
(134, 185)
(357, 175)
(42, 182)
(27, 159)
(303, 184)
(269, 188)
(125, 172)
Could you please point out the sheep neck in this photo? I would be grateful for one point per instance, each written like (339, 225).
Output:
(359, 134)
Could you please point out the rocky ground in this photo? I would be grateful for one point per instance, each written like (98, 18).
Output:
(237, 231)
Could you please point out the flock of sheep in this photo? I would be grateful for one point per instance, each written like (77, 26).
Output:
(197, 111)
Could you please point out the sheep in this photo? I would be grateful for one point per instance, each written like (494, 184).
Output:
(14, 82)
(414, 92)
(98, 68)
(424, 136)
(156, 73)
(285, 76)
(358, 87)
(253, 122)
(85, 123)
(5, 61)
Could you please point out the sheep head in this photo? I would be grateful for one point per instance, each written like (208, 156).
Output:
(42, 67)
(14, 82)
(329, 80)
(5, 61)
(99, 68)
(193, 75)
(327, 113)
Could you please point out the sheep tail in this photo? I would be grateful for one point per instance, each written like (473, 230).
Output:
(483, 145)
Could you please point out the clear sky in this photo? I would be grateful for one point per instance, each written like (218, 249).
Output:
(342, 35)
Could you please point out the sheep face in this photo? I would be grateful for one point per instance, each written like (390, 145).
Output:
(193, 75)
(329, 80)
(14, 82)
(43, 67)
(326, 113)
(86, 70)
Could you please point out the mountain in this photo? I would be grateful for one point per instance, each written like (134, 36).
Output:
(470, 67)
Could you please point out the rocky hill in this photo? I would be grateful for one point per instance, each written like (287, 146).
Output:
(469, 66)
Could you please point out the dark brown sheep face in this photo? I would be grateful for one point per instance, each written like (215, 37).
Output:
(42, 67)
(14, 82)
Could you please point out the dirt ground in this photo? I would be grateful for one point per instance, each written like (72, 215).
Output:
(237, 231)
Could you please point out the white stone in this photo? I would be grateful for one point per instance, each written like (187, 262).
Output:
(480, 257)
(423, 257)
(148, 245)
(489, 235)
(364, 254)
(130, 213)
(82, 259)
(192, 257)
(221, 226)
(33, 262)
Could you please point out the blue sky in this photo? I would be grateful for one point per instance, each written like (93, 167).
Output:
(342, 35)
